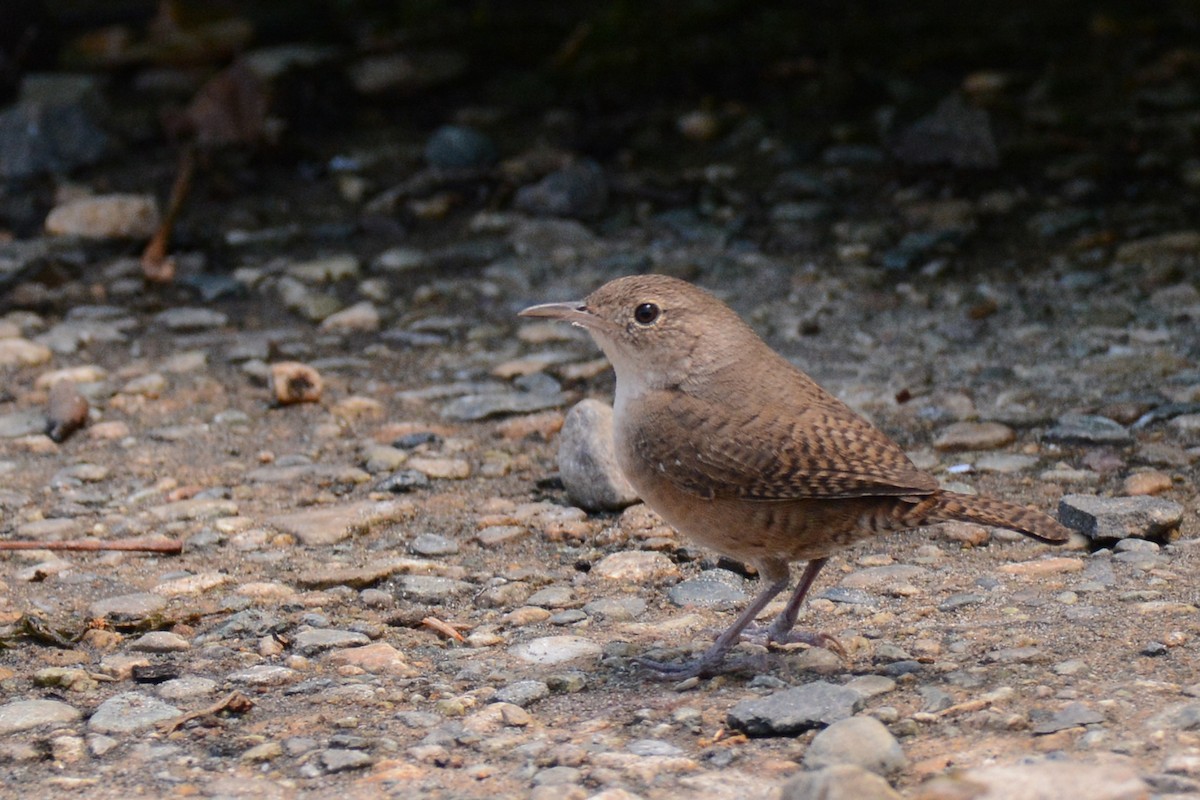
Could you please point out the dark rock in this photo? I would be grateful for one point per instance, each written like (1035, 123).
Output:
(460, 147)
(578, 191)
(1107, 518)
(1087, 429)
(955, 134)
(785, 713)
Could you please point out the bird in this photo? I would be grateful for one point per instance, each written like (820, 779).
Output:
(738, 449)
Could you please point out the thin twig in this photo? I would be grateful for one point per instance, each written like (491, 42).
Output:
(234, 702)
(91, 545)
(155, 264)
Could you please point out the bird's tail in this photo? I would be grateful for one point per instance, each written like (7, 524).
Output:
(946, 506)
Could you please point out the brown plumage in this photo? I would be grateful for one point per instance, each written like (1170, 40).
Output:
(740, 450)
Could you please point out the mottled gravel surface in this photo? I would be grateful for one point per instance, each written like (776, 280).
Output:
(385, 588)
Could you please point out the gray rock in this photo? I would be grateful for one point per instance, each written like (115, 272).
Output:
(578, 191)
(22, 423)
(49, 136)
(794, 710)
(432, 589)
(840, 782)
(160, 642)
(854, 597)
(1038, 781)
(550, 650)
(1106, 518)
(459, 147)
(654, 747)
(954, 134)
(876, 577)
(128, 607)
(186, 688)
(713, 588)
(521, 693)
(1179, 717)
(130, 711)
(473, 407)
(190, 319)
(587, 460)
(337, 759)
(1087, 429)
(22, 715)
(861, 741)
(957, 601)
(616, 609)
(315, 640)
(433, 544)
(552, 597)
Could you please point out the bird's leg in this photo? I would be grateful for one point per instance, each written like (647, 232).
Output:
(708, 663)
(780, 630)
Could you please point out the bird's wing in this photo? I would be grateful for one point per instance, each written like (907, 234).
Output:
(756, 451)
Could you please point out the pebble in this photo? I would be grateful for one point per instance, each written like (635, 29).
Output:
(16, 424)
(160, 642)
(577, 191)
(17, 352)
(361, 317)
(860, 741)
(23, 715)
(1087, 429)
(974, 436)
(1070, 716)
(316, 640)
(954, 134)
(130, 711)
(1147, 483)
(186, 688)
(635, 566)
(403, 481)
(475, 407)
(67, 411)
(791, 711)
(551, 650)
(432, 544)
(839, 782)
(332, 524)
(455, 469)
(522, 693)
(880, 577)
(616, 609)
(127, 607)
(336, 759)
(1044, 779)
(111, 216)
(713, 588)
(184, 319)
(430, 589)
(1108, 518)
(1005, 463)
(459, 147)
(376, 658)
(587, 460)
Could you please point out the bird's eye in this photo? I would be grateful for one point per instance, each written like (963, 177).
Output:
(645, 314)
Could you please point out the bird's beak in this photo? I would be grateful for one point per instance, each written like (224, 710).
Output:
(576, 313)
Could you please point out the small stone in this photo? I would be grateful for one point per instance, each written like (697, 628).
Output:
(332, 524)
(430, 589)
(1005, 463)
(17, 352)
(974, 436)
(130, 711)
(183, 319)
(1046, 779)
(616, 609)
(954, 134)
(794, 710)
(460, 147)
(337, 759)
(474, 407)
(160, 642)
(293, 382)
(186, 688)
(714, 588)
(551, 650)
(587, 461)
(127, 607)
(151, 385)
(112, 216)
(861, 741)
(879, 577)
(1043, 566)
(840, 782)
(522, 693)
(376, 658)
(23, 715)
(455, 469)
(361, 318)
(1087, 429)
(578, 191)
(635, 566)
(433, 544)
(1147, 483)
(327, 269)
(315, 640)
(403, 481)
(1106, 518)
(1071, 716)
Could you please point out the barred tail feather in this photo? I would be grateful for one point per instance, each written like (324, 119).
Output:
(999, 514)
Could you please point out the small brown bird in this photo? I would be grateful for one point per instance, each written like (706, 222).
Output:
(735, 447)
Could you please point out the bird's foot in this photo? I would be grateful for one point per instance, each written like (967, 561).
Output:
(707, 666)
(770, 634)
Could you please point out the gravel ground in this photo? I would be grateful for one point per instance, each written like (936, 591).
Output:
(385, 588)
